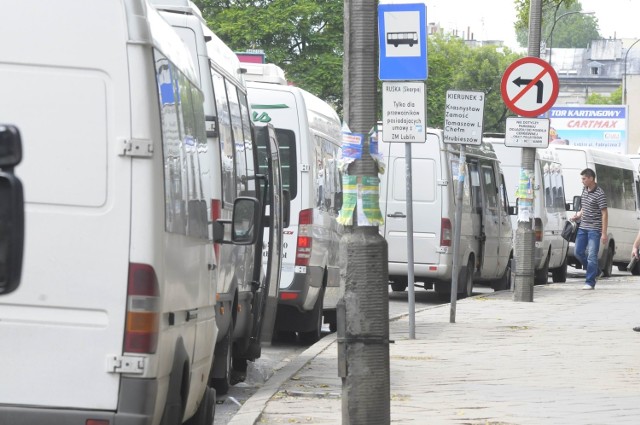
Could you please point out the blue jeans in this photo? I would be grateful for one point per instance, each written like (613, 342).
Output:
(586, 250)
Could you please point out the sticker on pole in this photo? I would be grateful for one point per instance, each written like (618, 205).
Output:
(530, 86)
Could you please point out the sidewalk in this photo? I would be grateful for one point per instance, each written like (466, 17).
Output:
(570, 357)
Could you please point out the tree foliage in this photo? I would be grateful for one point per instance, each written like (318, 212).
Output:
(615, 98)
(303, 37)
(573, 30)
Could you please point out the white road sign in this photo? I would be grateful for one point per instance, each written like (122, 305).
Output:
(404, 118)
(463, 117)
(527, 132)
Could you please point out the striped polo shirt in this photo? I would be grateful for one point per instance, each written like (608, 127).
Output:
(593, 202)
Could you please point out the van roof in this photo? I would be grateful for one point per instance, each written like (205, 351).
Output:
(265, 73)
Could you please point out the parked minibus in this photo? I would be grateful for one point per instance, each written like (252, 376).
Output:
(114, 320)
(486, 232)
(616, 175)
(550, 252)
(309, 136)
(241, 280)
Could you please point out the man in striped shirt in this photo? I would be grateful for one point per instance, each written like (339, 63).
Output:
(594, 219)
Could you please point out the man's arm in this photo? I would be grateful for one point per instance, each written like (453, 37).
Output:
(636, 244)
(605, 223)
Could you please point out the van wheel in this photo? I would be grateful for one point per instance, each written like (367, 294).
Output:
(207, 409)
(504, 283)
(465, 281)
(399, 283)
(559, 275)
(313, 336)
(541, 276)
(224, 353)
(608, 265)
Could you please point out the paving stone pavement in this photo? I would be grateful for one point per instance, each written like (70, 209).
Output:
(569, 357)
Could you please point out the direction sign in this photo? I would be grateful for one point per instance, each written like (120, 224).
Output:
(403, 113)
(463, 116)
(402, 34)
(530, 86)
(527, 132)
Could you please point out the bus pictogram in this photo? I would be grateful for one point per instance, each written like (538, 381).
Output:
(397, 38)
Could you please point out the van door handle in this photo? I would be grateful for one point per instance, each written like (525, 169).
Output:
(397, 215)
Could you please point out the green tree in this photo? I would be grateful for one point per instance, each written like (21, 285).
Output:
(573, 30)
(615, 98)
(303, 37)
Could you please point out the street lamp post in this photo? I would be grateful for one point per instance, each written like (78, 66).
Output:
(625, 72)
(555, 21)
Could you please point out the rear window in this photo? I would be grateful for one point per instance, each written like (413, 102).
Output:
(288, 161)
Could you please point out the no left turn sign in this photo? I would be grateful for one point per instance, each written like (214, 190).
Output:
(530, 86)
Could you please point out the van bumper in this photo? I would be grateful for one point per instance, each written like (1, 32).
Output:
(429, 271)
(135, 407)
(304, 289)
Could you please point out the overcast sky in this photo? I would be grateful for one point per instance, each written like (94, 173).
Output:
(493, 19)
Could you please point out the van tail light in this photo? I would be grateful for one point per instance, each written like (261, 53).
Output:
(538, 230)
(216, 213)
(445, 232)
(143, 310)
(305, 240)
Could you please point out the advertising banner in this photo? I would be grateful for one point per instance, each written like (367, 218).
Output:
(597, 126)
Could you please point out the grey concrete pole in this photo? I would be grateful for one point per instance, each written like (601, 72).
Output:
(363, 312)
(525, 242)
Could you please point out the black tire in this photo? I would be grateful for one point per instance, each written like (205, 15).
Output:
(559, 275)
(207, 409)
(465, 281)
(224, 352)
(313, 336)
(399, 283)
(504, 283)
(239, 370)
(541, 276)
(607, 269)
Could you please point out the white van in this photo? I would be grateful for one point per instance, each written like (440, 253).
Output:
(550, 253)
(114, 320)
(616, 174)
(309, 135)
(486, 234)
(233, 148)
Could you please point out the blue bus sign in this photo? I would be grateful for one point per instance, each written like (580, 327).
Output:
(402, 34)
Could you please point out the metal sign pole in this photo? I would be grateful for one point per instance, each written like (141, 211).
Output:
(456, 234)
(410, 271)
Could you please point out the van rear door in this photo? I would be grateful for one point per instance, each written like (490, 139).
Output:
(59, 328)
(425, 170)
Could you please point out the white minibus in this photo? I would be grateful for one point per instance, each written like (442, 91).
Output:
(616, 174)
(550, 252)
(486, 233)
(114, 319)
(309, 137)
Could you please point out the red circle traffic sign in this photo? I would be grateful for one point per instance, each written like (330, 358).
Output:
(530, 86)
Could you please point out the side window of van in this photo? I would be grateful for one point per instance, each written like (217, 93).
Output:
(225, 135)
(240, 160)
(490, 187)
(476, 190)
(288, 161)
(183, 150)
(617, 184)
(249, 147)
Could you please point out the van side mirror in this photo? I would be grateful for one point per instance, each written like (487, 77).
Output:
(286, 208)
(11, 210)
(245, 221)
(513, 210)
(577, 203)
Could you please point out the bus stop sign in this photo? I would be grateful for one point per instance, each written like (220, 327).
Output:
(402, 34)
